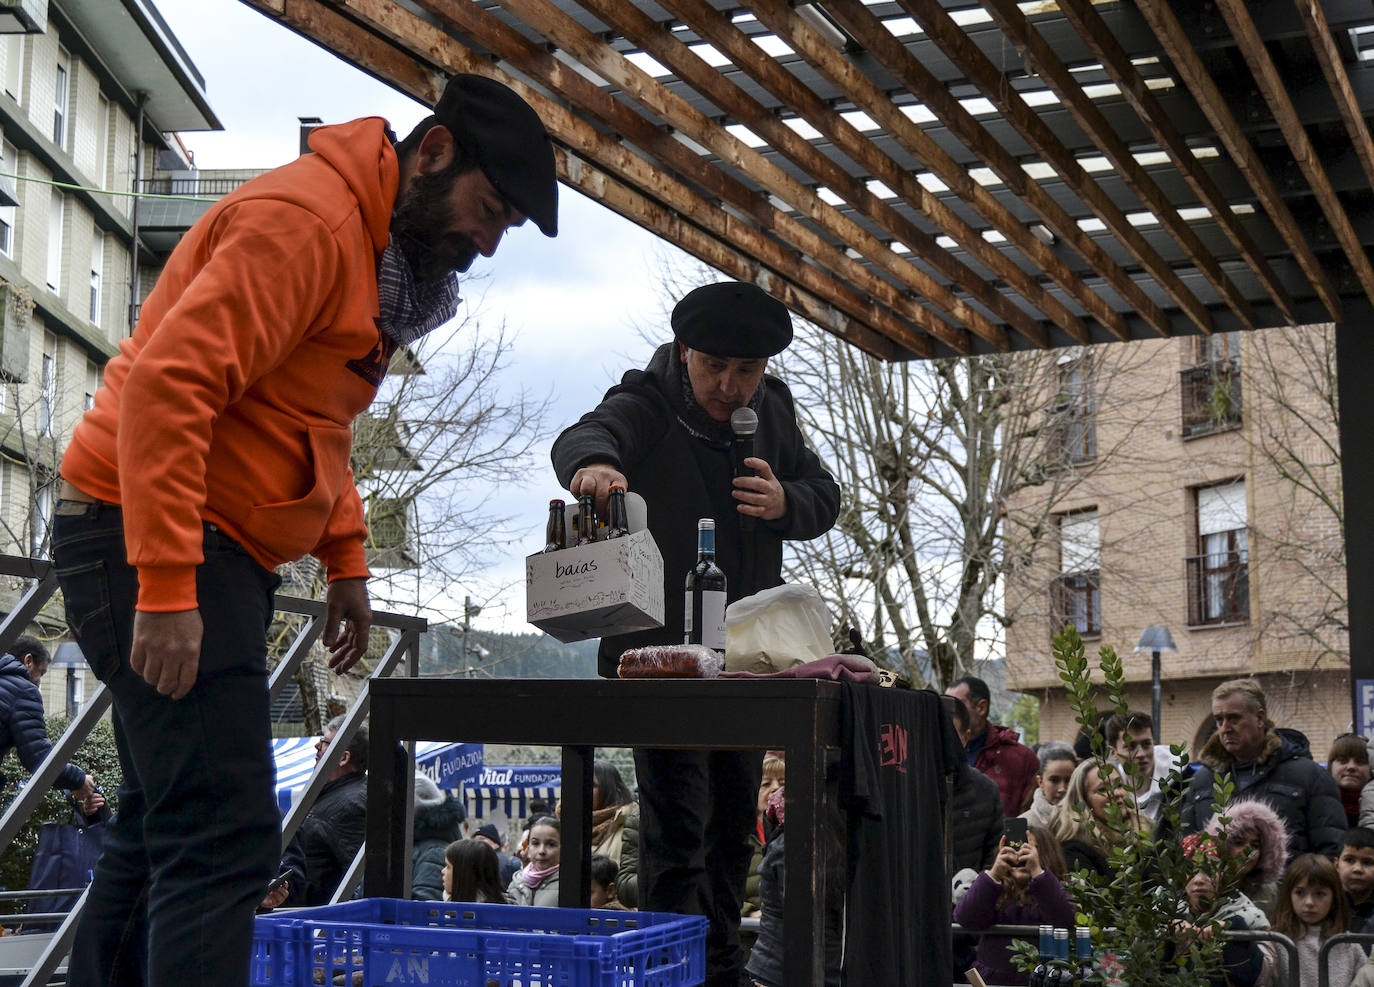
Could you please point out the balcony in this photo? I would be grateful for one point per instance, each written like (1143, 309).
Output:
(1211, 397)
(1076, 598)
(1073, 435)
(1218, 588)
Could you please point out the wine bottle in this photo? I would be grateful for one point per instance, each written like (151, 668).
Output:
(703, 618)
(556, 531)
(1041, 969)
(1061, 973)
(1087, 969)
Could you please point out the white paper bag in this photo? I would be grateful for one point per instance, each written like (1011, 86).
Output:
(776, 629)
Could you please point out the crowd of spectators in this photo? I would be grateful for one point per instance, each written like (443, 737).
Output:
(1298, 837)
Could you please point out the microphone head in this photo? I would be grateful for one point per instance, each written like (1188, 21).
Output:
(743, 422)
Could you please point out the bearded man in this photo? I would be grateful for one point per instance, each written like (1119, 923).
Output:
(217, 449)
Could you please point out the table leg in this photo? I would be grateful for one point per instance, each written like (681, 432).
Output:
(384, 872)
(803, 861)
(574, 872)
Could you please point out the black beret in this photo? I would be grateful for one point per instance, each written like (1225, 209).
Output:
(509, 141)
(732, 319)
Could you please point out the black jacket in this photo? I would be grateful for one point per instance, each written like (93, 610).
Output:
(975, 819)
(638, 428)
(434, 829)
(323, 848)
(1302, 792)
(21, 723)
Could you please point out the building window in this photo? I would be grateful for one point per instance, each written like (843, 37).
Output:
(57, 216)
(1219, 575)
(92, 384)
(9, 164)
(47, 385)
(1076, 594)
(1073, 410)
(97, 265)
(102, 144)
(14, 66)
(40, 514)
(1210, 388)
(61, 93)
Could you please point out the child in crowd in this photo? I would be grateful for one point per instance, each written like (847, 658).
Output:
(1310, 909)
(603, 883)
(774, 776)
(1256, 831)
(1243, 963)
(1348, 762)
(1057, 762)
(472, 872)
(1022, 887)
(1355, 866)
(537, 882)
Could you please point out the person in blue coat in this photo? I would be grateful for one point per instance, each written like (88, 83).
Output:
(21, 715)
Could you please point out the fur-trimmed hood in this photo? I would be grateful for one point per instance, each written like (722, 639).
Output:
(1279, 741)
(440, 822)
(1251, 815)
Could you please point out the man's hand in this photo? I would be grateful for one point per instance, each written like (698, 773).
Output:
(760, 496)
(276, 897)
(348, 618)
(597, 479)
(166, 650)
(86, 790)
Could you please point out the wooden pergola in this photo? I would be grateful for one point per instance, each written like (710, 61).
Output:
(925, 178)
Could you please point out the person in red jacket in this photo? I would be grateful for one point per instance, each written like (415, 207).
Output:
(996, 751)
(218, 448)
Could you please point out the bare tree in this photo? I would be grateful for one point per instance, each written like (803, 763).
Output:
(1290, 386)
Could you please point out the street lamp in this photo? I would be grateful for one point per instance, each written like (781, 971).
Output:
(469, 611)
(1157, 640)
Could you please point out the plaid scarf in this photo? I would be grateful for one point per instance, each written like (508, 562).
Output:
(411, 308)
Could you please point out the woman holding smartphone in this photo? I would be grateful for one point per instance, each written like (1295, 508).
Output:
(1022, 887)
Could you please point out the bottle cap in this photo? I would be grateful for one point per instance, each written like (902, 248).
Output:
(706, 524)
(555, 503)
(615, 487)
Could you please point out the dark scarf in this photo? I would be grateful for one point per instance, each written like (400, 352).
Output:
(692, 416)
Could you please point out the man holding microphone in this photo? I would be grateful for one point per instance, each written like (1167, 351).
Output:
(665, 432)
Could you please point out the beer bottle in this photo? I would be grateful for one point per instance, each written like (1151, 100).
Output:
(619, 524)
(703, 618)
(1041, 971)
(586, 521)
(556, 531)
(1087, 968)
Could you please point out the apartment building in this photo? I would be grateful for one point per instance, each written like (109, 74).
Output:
(1204, 496)
(91, 92)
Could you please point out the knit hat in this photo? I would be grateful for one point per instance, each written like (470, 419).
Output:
(427, 794)
(488, 831)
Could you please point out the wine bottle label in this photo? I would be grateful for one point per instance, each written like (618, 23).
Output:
(712, 633)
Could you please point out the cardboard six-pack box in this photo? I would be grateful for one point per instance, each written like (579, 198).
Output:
(610, 587)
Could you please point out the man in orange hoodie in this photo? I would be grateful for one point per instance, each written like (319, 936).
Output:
(217, 449)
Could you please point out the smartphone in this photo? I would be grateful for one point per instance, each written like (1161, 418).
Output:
(281, 879)
(1014, 830)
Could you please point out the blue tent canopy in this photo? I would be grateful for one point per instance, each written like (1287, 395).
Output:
(449, 765)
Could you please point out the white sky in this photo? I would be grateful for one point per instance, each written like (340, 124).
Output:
(572, 303)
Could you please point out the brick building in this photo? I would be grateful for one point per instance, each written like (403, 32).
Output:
(1205, 496)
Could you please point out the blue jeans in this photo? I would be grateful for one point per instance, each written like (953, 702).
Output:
(197, 836)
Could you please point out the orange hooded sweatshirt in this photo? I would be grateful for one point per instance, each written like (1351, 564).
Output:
(232, 401)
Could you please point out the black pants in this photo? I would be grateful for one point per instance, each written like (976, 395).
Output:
(197, 836)
(697, 810)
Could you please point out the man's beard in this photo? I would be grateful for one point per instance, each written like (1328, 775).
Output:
(420, 226)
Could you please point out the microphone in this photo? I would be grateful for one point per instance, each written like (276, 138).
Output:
(744, 423)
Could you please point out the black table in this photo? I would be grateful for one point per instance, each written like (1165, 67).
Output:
(799, 716)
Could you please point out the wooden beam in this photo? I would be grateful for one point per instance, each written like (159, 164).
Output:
(1083, 15)
(855, 18)
(994, 86)
(1271, 85)
(1333, 67)
(405, 28)
(639, 29)
(1042, 60)
(1188, 65)
(605, 61)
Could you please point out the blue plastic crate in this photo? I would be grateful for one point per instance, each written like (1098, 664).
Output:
(378, 942)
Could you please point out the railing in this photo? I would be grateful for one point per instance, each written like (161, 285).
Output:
(1210, 394)
(406, 645)
(199, 187)
(1324, 954)
(1075, 433)
(1218, 588)
(1076, 598)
